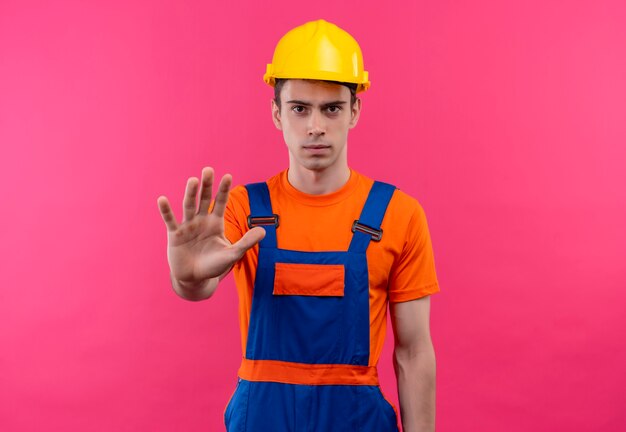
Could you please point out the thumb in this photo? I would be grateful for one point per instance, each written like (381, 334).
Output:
(249, 239)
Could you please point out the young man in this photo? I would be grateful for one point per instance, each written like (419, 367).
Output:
(318, 252)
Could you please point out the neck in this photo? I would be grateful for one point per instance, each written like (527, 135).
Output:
(318, 182)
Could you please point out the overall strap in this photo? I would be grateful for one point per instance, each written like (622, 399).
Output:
(367, 227)
(261, 213)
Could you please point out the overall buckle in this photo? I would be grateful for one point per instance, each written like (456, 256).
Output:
(263, 220)
(376, 234)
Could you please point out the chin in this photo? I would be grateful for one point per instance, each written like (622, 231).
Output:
(318, 165)
(315, 166)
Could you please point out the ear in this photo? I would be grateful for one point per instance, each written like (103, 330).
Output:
(276, 116)
(356, 111)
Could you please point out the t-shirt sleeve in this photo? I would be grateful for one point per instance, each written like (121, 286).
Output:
(235, 214)
(413, 275)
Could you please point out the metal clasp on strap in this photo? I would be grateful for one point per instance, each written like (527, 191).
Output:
(262, 220)
(376, 234)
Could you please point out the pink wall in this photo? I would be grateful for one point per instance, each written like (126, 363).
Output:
(506, 121)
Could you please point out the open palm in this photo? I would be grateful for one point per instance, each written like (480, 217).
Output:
(197, 248)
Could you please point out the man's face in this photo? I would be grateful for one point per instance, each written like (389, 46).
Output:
(315, 117)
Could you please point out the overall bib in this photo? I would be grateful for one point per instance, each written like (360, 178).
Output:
(306, 365)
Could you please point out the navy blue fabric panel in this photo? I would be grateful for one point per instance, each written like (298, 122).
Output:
(276, 407)
(261, 205)
(308, 330)
(259, 197)
(235, 415)
(358, 321)
(263, 311)
(376, 204)
(374, 413)
(372, 214)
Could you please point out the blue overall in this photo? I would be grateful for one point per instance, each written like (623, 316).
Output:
(311, 330)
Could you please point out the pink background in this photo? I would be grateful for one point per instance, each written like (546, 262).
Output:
(506, 121)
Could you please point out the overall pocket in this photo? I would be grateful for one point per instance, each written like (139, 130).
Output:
(308, 318)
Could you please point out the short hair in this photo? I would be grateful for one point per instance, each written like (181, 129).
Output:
(280, 82)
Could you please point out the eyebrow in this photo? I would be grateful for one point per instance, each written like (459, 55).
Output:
(299, 102)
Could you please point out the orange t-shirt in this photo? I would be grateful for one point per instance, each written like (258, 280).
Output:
(401, 266)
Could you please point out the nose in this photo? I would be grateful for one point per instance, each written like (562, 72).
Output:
(316, 124)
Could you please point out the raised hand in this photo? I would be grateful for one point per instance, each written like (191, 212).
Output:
(197, 249)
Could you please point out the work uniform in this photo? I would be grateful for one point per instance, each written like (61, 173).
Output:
(313, 324)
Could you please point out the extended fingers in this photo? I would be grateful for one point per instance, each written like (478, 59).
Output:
(206, 190)
(189, 202)
(166, 213)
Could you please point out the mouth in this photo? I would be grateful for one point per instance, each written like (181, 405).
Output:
(316, 146)
(316, 149)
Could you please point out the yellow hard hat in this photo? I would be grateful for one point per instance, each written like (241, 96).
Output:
(318, 50)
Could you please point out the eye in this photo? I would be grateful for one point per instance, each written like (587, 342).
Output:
(298, 109)
(333, 109)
